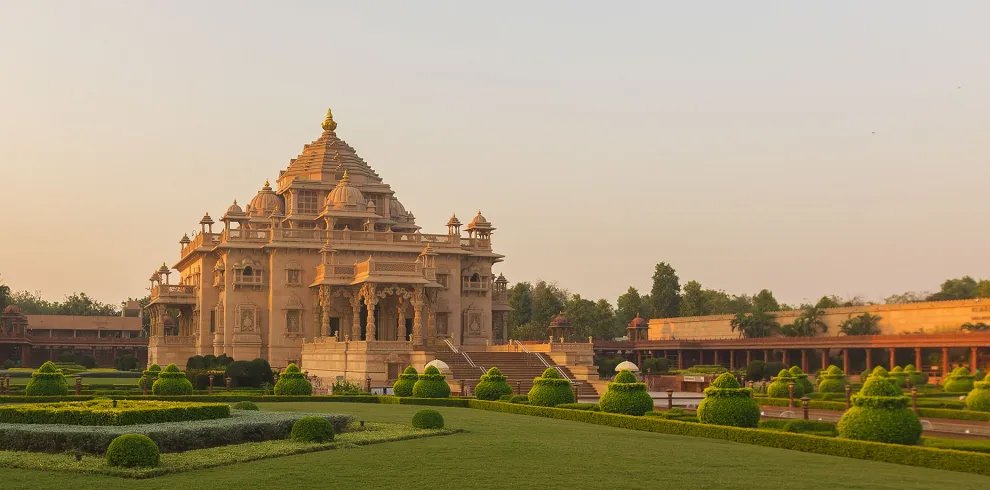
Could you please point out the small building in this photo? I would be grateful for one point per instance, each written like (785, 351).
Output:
(30, 340)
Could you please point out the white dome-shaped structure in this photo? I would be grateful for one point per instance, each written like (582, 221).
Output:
(627, 366)
(345, 196)
(437, 363)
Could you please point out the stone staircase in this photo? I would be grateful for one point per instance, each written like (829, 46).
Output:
(520, 368)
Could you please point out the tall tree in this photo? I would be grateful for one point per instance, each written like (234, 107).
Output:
(693, 300)
(521, 301)
(605, 326)
(666, 293)
(548, 300)
(756, 324)
(764, 301)
(628, 305)
(962, 288)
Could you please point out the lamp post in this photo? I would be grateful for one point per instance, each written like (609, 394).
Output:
(790, 394)
(805, 402)
(848, 397)
(670, 398)
(78, 384)
(209, 388)
(914, 399)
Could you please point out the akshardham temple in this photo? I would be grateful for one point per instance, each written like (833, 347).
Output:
(328, 268)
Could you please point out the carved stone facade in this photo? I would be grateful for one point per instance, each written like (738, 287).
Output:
(325, 260)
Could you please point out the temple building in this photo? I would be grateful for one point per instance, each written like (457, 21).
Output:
(328, 268)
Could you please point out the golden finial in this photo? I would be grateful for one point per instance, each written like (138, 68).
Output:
(328, 122)
(346, 178)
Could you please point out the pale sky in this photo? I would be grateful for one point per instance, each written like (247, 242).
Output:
(807, 147)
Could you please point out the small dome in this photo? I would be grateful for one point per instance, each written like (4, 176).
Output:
(453, 221)
(396, 210)
(185, 239)
(627, 366)
(234, 209)
(440, 365)
(163, 269)
(345, 196)
(501, 279)
(560, 320)
(266, 202)
(207, 220)
(479, 221)
(639, 322)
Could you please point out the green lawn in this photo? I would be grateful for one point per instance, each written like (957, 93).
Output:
(514, 451)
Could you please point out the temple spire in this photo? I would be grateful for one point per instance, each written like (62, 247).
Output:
(328, 123)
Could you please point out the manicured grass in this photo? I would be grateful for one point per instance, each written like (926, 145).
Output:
(513, 451)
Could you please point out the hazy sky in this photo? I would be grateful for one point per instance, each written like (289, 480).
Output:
(806, 147)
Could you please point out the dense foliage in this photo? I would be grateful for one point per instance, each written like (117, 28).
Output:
(148, 376)
(492, 386)
(917, 378)
(246, 405)
(550, 390)
(899, 376)
(312, 429)
(959, 381)
(171, 381)
(626, 395)
(779, 388)
(103, 412)
(880, 413)
(404, 385)
(131, 450)
(833, 380)
(727, 403)
(801, 378)
(293, 382)
(255, 374)
(427, 419)
(979, 397)
(431, 384)
(47, 381)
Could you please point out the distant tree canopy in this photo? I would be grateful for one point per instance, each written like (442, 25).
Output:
(962, 288)
(74, 304)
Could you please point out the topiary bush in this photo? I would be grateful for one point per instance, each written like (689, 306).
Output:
(47, 381)
(626, 395)
(131, 450)
(312, 429)
(293, 382)
(779, 387)
(431, 384)
(246, 405)
(833, 381)
(918, 378)
(960, 381)
(148, 376)
(427, 419)
(492, 386)
(879, 413)
(404, 385)
(979, 397)
(171, 381)
(726, 403)
(900, 376)
(801, 378)
(550, 390)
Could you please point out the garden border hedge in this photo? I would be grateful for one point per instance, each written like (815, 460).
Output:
(941, 459)
(101, 413)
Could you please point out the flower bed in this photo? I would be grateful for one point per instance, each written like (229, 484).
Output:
(107, 412)
(241, 426)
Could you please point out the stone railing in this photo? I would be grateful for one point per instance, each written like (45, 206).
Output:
(172, 291)
(201, 240)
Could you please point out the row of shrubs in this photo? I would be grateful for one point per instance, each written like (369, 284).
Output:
(105, 412)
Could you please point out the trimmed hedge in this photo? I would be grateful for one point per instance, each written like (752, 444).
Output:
(148, 376)
(47, 381)
(312, 429)
(404, 385)
(880, 413)
(246, 405)
(780, 386)
(550, 390)
(979, 398)
(427, 419)
(293, 382)
(967, 462)
(960, 381)
(132, 450)
(801, 378)
(726, 403)
(492, 386)
(581, 406)
(833, 381)
(102, 412)
(815, 427)
(171, 381)
(918, 378)
(899, 376)
(626, 395)
(431, 384)
(243, 426)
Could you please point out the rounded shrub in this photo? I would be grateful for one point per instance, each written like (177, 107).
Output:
(171, 381)
(293, 382)
(550, 390)
(900, 376)
(246, 405)
(626, 395)
(727, 403)
(312, 429)
(427, 419)
(148, 376)
(47, 381)
(801, 378)
(918, 378)
(880, 413)
(779, 387)
(492, 386)
(960, 381)
(979, 397)
(404, 385)
(131, 450)
(833, 381)
(431, 384)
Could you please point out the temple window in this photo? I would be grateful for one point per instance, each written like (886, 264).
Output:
(249, 275)
(307, 202)
(293, 321)
(293, 277)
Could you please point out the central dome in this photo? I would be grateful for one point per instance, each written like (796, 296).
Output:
(345, 196)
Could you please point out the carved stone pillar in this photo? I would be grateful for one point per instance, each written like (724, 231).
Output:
(400, 327)
(370, 301)
(325, 308)
(417, 326)
(356, 316)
